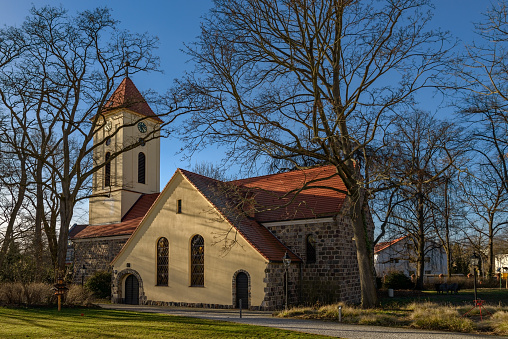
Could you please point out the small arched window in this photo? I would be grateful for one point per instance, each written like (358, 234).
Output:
(162, 261)
(311, 249)
(107, 170)
(197, 261)
(141, 167)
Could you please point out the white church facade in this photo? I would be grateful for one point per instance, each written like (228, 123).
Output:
(206, 243)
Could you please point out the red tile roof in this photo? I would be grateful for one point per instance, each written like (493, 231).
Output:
(128, 96)
(270, 190)
(384, 245)
(127, 226)
(276, 199)
(257, 235)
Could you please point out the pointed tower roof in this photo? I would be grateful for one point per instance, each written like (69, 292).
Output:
(128, 96)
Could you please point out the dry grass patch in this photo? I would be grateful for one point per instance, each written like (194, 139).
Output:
(350, 315)
(431, 316)
(499, 323)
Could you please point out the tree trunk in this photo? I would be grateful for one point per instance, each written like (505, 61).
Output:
(420, 243)
(66, 212)
(447, 231)
(364, 255)
(14, 213)
(39, 213)
(490, 255)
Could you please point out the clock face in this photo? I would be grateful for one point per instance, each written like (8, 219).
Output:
(108, 125)
(142, 127)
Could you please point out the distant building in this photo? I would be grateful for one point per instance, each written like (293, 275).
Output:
(399, 254)
(501, 264)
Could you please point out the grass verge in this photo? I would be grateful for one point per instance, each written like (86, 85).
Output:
(422, 315)
(99, 323)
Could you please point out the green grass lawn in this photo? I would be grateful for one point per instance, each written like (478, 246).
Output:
(98, 323)
(492, 296)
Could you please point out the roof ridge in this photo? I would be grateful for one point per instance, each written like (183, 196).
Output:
(282, 173)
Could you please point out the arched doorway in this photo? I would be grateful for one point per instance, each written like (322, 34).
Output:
(242, 290)
(131, 290)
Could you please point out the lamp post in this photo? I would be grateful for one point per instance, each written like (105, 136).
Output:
(287, 261)
(475, 260)
(82, 270)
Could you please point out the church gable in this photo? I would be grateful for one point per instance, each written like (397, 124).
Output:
(180, 222)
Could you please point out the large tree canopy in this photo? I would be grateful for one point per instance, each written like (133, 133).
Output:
(314, 79)
(56, 75)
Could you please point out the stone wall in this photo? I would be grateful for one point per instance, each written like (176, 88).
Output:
(333, 277)
(275, 286)
(96, 255)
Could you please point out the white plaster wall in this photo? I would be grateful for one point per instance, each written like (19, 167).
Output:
(382, 264)
(197, 217)
(112, 205)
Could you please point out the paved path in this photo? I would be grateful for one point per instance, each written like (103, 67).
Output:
(329, 328)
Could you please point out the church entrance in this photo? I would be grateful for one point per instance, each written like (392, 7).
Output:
(131, 290)
(242, 290)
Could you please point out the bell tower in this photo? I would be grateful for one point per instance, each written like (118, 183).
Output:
(126, 175)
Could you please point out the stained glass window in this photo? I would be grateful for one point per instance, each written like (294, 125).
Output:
(162, 261)
(197, 261)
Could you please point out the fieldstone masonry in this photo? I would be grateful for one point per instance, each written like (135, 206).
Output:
(333, 277)
(95, 254)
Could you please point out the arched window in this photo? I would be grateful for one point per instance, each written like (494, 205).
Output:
(311, 249)
(107, 171)
(197, 261)
(141, 167)
(162, 261)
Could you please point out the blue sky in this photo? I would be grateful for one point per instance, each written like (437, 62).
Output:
(177, 21)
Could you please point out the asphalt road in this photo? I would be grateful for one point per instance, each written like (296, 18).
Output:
(333, 329)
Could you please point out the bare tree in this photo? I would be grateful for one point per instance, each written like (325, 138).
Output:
(487, 200)
(14, 179)
(425, 149)
(482, 76)
(213, 171)
(283, 79)
(59, 81)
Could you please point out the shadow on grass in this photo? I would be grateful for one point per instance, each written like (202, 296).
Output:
(86, 323)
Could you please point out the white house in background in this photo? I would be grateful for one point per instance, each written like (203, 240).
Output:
(396, 255)
(501, 262)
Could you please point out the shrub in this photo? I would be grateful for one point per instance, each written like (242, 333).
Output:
(33, 294)
(397, 281)
(78, 296)
(100, 284)
(38, 294)
(11, 293)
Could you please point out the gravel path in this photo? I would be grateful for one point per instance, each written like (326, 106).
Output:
(332, 329)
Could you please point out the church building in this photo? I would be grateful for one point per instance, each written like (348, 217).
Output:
(206, 243)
